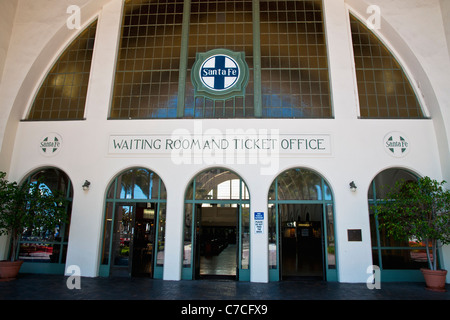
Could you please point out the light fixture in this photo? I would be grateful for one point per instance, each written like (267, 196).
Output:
(353, 186)
(86, 185)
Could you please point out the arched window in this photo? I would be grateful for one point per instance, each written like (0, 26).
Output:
(388, 253)
(383, 87)
(45, 251)
(301, 227)
(134, 225)
(217, 226)
(283, 43)
(62, 95)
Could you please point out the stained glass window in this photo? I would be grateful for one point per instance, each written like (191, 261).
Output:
(295, 82)
(62, 95)
(146, 84)
(383, 87)
(161, 39)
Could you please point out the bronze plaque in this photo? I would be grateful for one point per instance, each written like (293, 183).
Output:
(354, 235)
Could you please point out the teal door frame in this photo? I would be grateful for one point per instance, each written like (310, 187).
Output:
(59, 265)
(391, 275)
(243, 274)
(330, 272)
(104, 269)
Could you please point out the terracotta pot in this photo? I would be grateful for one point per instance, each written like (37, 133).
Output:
(435, 279)
(9, 270)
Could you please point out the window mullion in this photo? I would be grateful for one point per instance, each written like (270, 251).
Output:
(257, 59)
(183, 58)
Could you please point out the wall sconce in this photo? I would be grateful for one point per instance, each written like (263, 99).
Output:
(86, 185)
(353, 186)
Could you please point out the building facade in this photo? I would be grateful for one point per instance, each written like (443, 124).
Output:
(249, 140)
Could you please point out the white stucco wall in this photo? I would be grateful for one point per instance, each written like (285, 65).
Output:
(445, 8)
(7, 14)
(357, 151)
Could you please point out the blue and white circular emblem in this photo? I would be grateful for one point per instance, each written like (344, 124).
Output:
(219, 72)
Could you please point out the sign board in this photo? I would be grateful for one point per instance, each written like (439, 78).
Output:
(396, 144)
(220, 74)
(354, 235)
(311, 144)
(259, 222)
(50, 144)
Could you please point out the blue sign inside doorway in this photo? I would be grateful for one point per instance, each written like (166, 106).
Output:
(259, 215)
(259, 222)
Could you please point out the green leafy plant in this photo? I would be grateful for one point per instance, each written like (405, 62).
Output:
(418, 211)
(28, 207)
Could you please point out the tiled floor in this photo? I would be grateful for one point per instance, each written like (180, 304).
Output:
(222, 264)
(44, 287)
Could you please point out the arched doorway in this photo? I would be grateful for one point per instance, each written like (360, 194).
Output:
(134, 226)
(216, 227)
(398, 260)
(45, 251)
(301, 227)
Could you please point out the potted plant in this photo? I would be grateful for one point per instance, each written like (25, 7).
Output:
(31, 207)
(420, 212)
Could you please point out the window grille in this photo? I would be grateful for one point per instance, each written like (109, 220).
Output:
(160, 41)
(295, 81)
(62, 95)
(146, 84)
(383, 87)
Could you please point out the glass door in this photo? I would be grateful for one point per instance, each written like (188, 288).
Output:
(217, 227)
(143, 239)
(122, 240)
(301, 240)
(134, 239)
(134, 225)
(301, 227)
(216, 253)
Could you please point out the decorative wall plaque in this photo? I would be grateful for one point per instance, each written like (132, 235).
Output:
(220, 74)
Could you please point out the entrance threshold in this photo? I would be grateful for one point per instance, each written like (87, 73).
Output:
(218, 277)
(303, 278)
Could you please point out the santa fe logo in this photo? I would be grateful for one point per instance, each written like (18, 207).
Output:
(220, 74)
